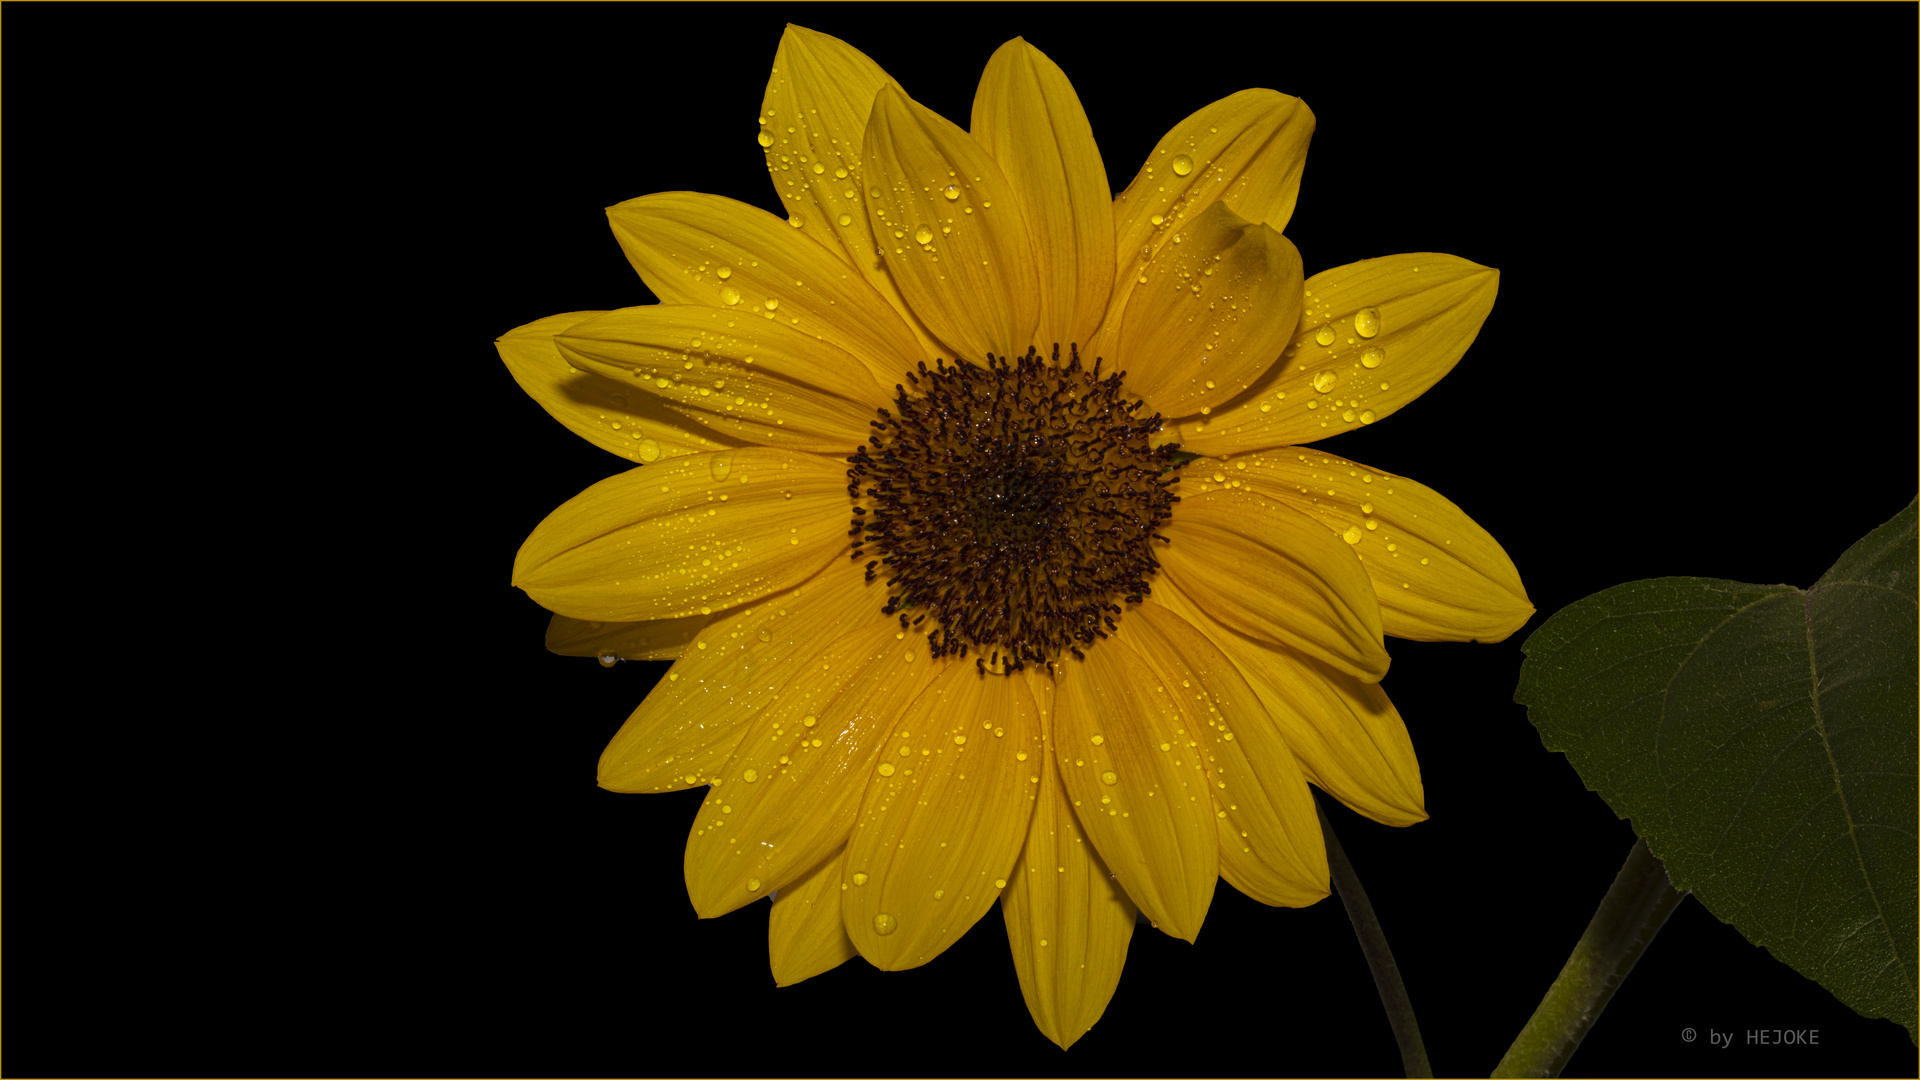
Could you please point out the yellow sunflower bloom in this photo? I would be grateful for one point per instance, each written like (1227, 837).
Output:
(973, 511)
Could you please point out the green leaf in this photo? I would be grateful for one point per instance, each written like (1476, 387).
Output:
(1763, 741)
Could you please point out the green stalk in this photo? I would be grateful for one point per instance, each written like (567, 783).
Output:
(1373, 942)
(1635, 908)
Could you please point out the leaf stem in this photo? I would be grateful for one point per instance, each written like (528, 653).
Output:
(1633, 911)
(1373, 942)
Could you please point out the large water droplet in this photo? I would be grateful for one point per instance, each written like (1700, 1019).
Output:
(722, 465)
(729, 295)
(723, 273)
(608, 659)
(1324, 381)
(883, 924)
(859, 879)
(952, 192)
(1366, 321)
(1367, 417)
(649, 450)
(923, 235)
(846, 220)
(1374, 356)
(1109, 778)
(886, 768)
(764, 139)
(1352, 535)
(1325, 336)
(1182, 165)
(753, 884)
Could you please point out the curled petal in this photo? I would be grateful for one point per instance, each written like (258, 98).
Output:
(1214, 312)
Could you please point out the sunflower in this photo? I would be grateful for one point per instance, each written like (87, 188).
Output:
(973, 511)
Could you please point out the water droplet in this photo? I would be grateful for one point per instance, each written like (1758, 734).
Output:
(952, 192)
(1366, 322)
(1374, 357)
(1099, 740)
(859, 879)
(840, 174)
(764, 138)
(883, 924)
(846, 220)
(810, 721)
(649, 450)
(1367, 417)
(766, 635)
(819, 169)
(1324, 337)
(729, 295)
(1000, 883)
(722, 465)
(1366, 508)
(875, 192)
(772, 304)
(749, 776)
(886, 768)
(796, 221)
(608, 659)
(1352, 535)
(723, 273)
(1324, 381)
(923, 235)
(1109, 778)
(1348, 416)
(1372, 524)
(959, 740)
(1182, 165)
(753, 884)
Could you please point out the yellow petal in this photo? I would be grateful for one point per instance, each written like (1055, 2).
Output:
(660, 639)
(1422, 310)
(1269, 833)
(1215, 310)
(751, 380)
(805, 935)
(815, 113)
(1027, 116)
(1347, 737)
(945, 813)
(964, 264)
(736, 663)
(1246, 150)
(703, 531)
(756, 835)
(1067, 922)
(601, 410)
(1276, 575)
(1147, 809)
(1438, 574)
(692, 248)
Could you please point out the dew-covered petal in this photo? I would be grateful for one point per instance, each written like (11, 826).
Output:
(813, 119)
(1068, 922)
(945, 812)
(1346, 736)
(1438, 574)
(805, 935)
(703, 531)
(1247, 150)
(1147, 809)
(1276, 575)
(969, 276)
(1215, 310)
(1269, 833)
(1373, 336)
(755, 381)
(1028, 117)
(784, 801)
(602, 410)
(693, 248)
(735, 662)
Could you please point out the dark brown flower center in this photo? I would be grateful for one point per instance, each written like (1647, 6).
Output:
(1014, 503)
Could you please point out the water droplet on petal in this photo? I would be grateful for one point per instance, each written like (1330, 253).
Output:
(1366, 322)
(1109, 778)
(796, 221)
(1182, 165)
(608, 659)
(1374, 357)
(764, 138)
(846, 220)
(1352, 535)
(1324, 337)
(952, 192)
(883, 924)
(886, 768)
(721, 465)
(859, 879)
(729, 295)
(723, 273)
(1367, 417)
(1324, 381)
(649, 450)
(749, 776)
(923, 235)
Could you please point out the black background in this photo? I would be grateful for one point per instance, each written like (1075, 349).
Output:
(1701, 362)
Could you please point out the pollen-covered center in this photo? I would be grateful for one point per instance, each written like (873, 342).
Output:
(1013, 504)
